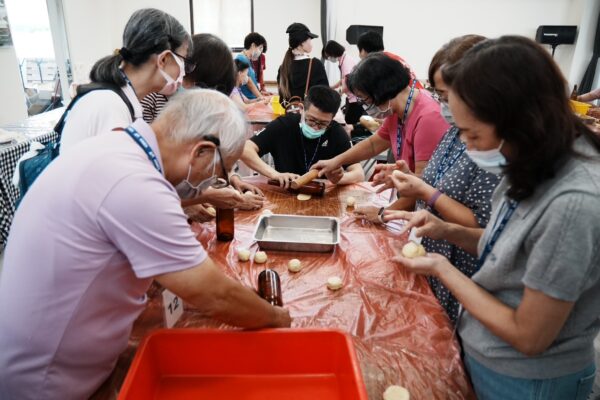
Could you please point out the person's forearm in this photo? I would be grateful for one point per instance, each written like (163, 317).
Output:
(527, 330)
(254, 162)
(364, 150)
(253, 88)
(403, 203)
(354, 174)
(240, 306)
(463, 237)
(591, 96)
(450, 209)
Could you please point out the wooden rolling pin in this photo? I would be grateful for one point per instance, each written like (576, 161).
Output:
(304, 179)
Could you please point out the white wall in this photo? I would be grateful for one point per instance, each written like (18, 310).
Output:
(95, 28)
(413, 29)
(271, 19)
(12, 99)
(416, 29)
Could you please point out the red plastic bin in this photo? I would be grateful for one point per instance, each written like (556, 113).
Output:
(289, 364)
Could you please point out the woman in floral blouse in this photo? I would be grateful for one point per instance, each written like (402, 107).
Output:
(452, 186)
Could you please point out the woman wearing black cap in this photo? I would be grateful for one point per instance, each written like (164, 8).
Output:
(299, 72)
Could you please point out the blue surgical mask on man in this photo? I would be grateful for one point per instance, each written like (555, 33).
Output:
(309, 132)
(489, 160)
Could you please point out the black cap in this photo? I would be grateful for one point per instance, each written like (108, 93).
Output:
(298, 28)
(298, 33)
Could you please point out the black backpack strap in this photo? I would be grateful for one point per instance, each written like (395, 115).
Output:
(82, 90)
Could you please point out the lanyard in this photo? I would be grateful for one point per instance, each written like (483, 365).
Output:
(498, 228)
(139, 139)
(401, 124)
(446, 162)
(306, 163)
(128, 81)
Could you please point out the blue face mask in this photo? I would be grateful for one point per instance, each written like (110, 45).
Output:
(309, 132)
(489, 160)
(446, 113)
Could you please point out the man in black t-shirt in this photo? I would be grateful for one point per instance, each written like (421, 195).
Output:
(297, 141)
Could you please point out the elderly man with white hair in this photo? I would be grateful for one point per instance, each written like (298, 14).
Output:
(98, 225)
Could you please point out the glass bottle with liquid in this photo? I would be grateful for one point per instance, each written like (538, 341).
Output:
(225, 224)
(269, 287)
(574, 93)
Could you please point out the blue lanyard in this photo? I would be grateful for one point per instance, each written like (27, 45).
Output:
(446, 162)
(497, 230)
(401, 124)
(139, 139)
(128, 81)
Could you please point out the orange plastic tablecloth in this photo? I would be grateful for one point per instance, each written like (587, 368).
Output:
(401, 334)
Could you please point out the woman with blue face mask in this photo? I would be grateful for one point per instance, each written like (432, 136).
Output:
(452, 186)
(531, 311)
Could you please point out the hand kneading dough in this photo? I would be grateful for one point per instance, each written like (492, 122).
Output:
(412, 250)
(396, 393)
(211, 211)
(294, 265)
(350, 201)
(243, 254)
(303, 197)
(260, 257)
(334, 283)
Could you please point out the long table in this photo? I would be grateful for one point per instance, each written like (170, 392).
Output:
(401, 334)
(39, 128)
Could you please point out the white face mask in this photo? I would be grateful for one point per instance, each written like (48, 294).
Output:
(332, 59)
(187, 190)
(377, 113)
(489, 160)
(172, 84)
(245, 80)
(255, 54)
(446, 113)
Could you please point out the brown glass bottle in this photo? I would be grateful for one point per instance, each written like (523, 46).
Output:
(312, 188)
(574, 93)
(225, 224)
(269, 287)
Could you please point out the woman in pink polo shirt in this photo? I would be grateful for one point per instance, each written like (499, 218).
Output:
(413, 125)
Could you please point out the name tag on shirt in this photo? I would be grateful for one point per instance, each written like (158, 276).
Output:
(172, 308)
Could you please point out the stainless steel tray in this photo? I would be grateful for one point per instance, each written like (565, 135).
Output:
(297, 233)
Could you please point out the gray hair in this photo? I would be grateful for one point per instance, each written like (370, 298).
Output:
(149, 31)
(196, 113)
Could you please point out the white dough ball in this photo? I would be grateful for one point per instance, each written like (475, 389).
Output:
(396, 393)
(243, 254)
(350, 201)
(294, 265)
(335, 283)
(412, 250)
(260, 257)
(303, 197)
(211, 211)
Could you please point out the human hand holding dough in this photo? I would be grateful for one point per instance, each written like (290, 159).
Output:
(396, 393)
(260, 257)
(412, 250)
(294, 265)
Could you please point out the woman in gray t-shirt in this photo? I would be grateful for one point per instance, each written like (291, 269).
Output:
(532, 310)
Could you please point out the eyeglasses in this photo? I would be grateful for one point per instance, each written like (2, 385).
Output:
(365, 105)
(190, 65)
(220, 183)
(315, 123)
